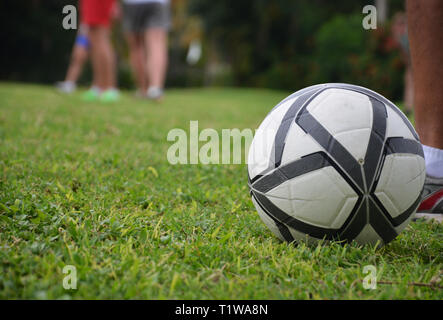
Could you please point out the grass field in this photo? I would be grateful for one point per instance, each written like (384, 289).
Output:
(89, 185)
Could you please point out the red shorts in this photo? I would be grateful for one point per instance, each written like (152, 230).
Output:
(96, 12)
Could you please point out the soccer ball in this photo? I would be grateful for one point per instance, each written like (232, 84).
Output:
(336, 162)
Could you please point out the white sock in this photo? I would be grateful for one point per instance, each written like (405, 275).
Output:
(433, 161)
(96, 89)
(66, 86)
(70, 84)
(154, 92)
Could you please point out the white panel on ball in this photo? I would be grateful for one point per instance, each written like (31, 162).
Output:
(396, 127)
(259, 157)
(317, 198)
(369, 236)
(400, 182)
(344, 114)
(298, 144)
(268, 221)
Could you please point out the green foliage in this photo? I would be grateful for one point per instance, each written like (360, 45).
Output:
(289, 44)
(88, 185)
(345, 52)
(337, 42)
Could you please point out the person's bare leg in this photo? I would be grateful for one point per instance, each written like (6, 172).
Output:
(103, 59)
(96, 57)
(425, 19)
(78, 59)
(109, 57)
(157, 56)
(425, 22)
(137, 59)
(409, 89)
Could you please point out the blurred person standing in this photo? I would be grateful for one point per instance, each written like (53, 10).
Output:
(146, 24)
(79, 56)
(97, 14)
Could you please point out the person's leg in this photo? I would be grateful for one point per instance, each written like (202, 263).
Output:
(409, 90)
(426, 43)
(138, 60)
(78, 60)
(98, 67)
(109, 60)
(103, 57)
(157, 56)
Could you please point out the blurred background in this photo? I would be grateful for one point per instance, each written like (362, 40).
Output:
(279, 44)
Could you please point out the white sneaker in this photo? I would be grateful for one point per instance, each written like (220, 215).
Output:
(154, 93)
(66, 86)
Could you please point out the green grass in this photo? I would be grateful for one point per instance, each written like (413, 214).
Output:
(89, 185)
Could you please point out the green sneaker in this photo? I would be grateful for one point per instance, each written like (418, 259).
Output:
(91, 95)
(110, 96)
